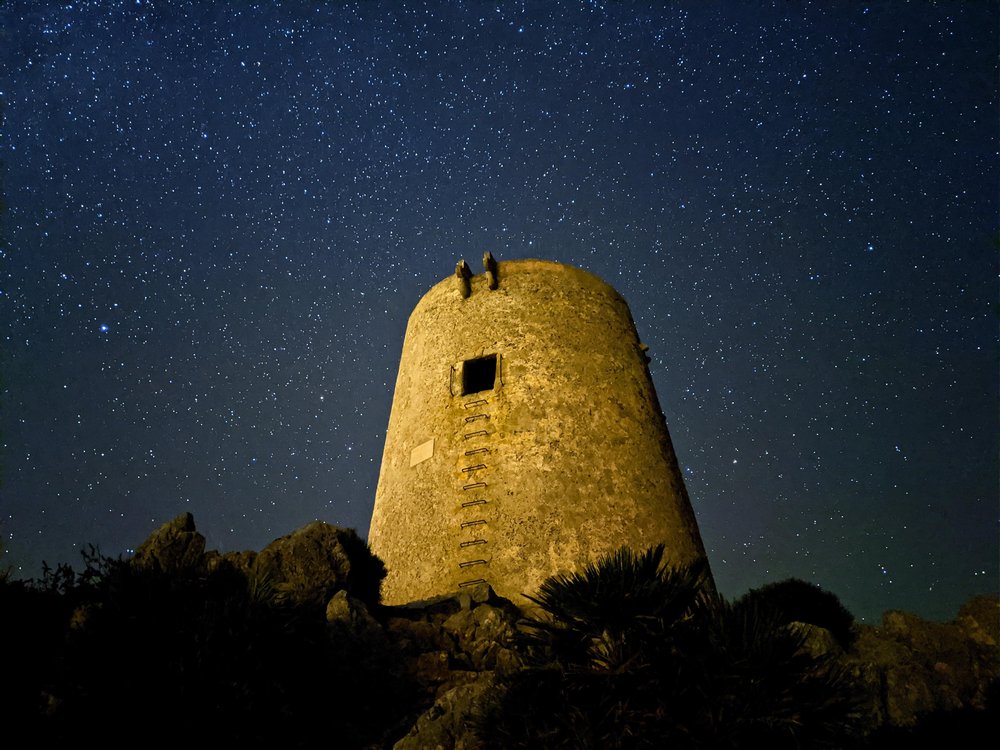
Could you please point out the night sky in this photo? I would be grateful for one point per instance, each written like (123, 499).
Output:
(219, 216)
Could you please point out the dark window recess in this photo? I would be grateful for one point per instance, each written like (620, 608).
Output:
(479, 374)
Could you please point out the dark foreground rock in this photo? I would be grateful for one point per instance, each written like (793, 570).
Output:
(274, 645)
(912, 667)
(307, 566)
(314, 562)
(445, 652)
(452, 649)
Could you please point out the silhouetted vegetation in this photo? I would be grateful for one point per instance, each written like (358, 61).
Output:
(119, 648)
(628, 654)
(798, 601)
(631, 653)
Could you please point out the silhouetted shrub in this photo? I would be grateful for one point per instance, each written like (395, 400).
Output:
(131, 652)
(32, 627)
(800, 601)
(367, 570)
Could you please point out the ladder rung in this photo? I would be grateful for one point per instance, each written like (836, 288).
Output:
(474, 486)
(477, 402)
(472, 543)
(478, 522)
(470, 563)
(476, 417)
(474, 502)
(473, 582)
(477, 433)
(475, 451)
(477, 467)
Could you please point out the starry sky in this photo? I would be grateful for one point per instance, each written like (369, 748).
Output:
(218, 217)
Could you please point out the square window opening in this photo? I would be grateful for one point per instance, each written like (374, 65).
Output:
(479, 374)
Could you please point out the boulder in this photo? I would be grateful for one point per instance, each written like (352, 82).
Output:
(174, 547)
(450, 723)
(307, 566)
(484, 634)
(817, 641)
(312, 563)
(475, 630)
(344, 609)
(242, 561)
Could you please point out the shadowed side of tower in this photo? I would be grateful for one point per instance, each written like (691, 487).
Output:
(525, 437)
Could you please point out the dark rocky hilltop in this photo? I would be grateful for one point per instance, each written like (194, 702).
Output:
(291, 643)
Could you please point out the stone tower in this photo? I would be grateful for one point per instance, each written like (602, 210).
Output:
(525, 437)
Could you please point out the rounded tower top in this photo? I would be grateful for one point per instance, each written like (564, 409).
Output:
(519, 269)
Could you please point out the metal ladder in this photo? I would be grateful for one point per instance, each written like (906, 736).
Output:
(475, 438)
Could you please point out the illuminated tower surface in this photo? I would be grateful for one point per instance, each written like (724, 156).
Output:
(525, 437)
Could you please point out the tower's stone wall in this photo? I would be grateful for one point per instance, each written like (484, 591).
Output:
(566, 458)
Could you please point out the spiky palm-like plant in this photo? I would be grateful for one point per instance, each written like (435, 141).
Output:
(631, 653)
(603, 647)
(623, 608)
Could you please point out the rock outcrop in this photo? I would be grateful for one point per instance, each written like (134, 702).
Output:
(450, 651)
(911, 667)
(174, 547)
(453, 647)
(314, 562)
(450, 723)
(307, 566)
(452, 640)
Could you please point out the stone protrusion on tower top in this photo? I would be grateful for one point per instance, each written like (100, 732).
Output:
(525, 437)
(463, 274)
(490, 267)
